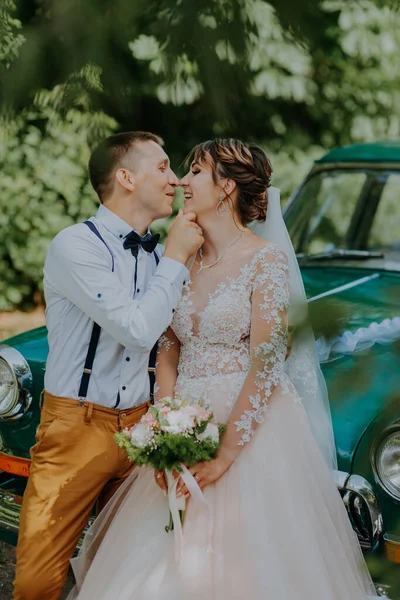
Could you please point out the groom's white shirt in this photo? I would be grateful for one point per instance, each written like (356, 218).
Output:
(80, 287)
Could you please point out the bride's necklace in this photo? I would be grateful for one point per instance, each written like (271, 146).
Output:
(201, 267)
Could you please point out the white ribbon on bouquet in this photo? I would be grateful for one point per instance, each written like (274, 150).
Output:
(176, 504)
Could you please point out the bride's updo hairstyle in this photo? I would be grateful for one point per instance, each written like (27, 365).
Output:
(248, 166)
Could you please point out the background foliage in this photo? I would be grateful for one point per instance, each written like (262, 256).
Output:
(296, 77)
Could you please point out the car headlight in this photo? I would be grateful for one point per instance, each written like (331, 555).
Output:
(387, 463)
(8, 387)
(15, 383)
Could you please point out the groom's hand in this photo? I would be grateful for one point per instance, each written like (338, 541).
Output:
(184, 238)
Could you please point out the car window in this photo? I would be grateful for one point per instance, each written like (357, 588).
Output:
(385, 230)
(323, 210)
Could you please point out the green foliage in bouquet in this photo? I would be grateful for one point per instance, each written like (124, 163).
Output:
(168, 450)
(171, 451)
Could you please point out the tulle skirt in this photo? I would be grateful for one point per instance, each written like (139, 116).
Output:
(279, 527)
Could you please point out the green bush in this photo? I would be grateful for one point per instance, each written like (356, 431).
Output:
(44, 188)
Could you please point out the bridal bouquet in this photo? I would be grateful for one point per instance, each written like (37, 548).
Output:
(173, 435)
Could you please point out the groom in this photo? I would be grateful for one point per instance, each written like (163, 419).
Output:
(110, 293)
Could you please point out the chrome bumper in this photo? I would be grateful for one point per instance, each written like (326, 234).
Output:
(362, 508)
(10, 507)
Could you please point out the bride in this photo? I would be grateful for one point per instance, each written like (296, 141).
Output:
(272, 524)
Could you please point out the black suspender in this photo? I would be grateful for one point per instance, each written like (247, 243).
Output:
(94, 338)
(94, 229)
(153, 357)
(87, 369)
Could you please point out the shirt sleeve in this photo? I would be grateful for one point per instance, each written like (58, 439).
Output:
(78, 268)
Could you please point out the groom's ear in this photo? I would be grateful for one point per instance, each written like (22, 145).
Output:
(126, 179)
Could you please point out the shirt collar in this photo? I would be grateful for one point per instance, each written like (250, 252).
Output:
(114, 223)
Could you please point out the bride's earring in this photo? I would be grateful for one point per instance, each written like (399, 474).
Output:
(221, 206)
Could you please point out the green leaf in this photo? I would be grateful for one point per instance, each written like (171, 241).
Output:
(154, 412)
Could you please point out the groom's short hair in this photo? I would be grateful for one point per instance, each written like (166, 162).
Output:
(108, 156)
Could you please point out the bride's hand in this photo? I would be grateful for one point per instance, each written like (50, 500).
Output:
(205, 472)
(161, 481)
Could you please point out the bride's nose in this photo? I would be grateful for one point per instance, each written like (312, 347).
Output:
(184, 181)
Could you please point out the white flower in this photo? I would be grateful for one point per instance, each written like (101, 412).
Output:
(211, 431)
(141, 435)
(178, 422)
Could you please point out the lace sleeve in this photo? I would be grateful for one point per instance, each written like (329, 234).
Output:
(268, 343)
(167, 364)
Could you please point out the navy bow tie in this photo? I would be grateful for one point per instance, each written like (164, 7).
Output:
(148, 242)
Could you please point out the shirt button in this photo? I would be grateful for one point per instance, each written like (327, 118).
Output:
(120, 235)
(173, 310)
(127, 359)
(138, 290)
(124, 387)
(184, 283)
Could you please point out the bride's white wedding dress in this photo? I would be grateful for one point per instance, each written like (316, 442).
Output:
(280, 530)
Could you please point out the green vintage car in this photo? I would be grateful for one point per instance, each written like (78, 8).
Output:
(344, 221)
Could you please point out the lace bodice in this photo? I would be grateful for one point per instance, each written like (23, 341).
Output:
(215, 340)
(234, 322)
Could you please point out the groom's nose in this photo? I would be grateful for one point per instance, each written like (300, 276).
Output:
(173, 180)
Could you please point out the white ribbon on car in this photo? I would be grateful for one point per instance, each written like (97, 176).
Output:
(177, 504)
(385, 332)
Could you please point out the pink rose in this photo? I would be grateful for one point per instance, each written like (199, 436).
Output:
(149, 420)
(197, 412)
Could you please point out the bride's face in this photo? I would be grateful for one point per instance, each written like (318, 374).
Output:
(201, 193)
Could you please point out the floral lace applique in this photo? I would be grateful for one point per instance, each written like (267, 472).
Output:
(165, 342)
(268, 339)
(221, 339)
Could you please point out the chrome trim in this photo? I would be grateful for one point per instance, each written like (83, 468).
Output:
(374, 449)
(362, 508)
(372, 264)
(346, 286)
(341, 479)
(10, 509)
(360, 486)
(382, 590)
(23, 378)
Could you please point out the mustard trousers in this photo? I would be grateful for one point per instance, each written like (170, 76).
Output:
(75, 463)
